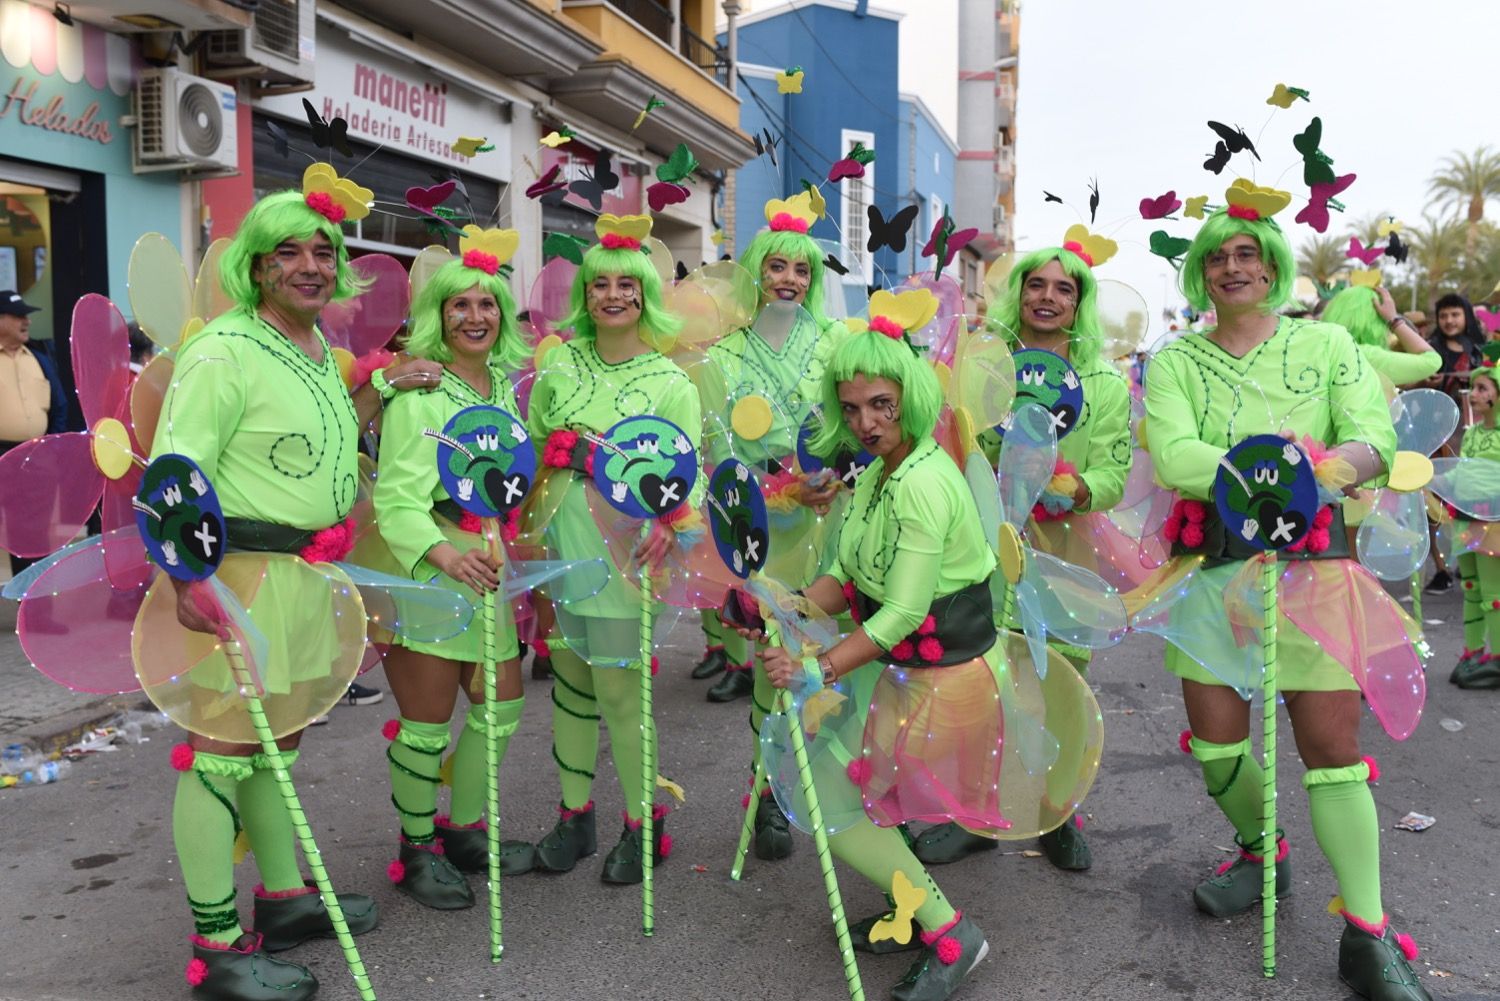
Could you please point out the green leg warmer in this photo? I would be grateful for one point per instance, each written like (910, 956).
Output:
(204, 827)
(762, 697)
(1348, 831)
(415, 757)
(1474, 617)
(268, 825)
(471, 777)
(575, 725)
(1234, 778)
(713, 629)
(619, 695)
(1488, 568)
(878, 853)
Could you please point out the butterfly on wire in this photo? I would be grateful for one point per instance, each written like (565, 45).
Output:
(889, 232)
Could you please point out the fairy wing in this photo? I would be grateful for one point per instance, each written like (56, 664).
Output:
(1123, 318)
(1392, 540)
(1424, 419)
(1028, 457)
(1470, 484)
(369, 320)
(161, 296)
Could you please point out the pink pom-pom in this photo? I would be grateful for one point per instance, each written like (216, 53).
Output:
(948, 950)
(1318, 540)
(1192, 535)
(391, 729)
(666, 845)
(745, 803)
(480, 261)
(368, 363)
(903, 650)
(655, 666)
(1076, 248)
(1374, 767)
(1185, 741)
(322, 203)
(542, 648)
(859, 771)
(1408, 947)
(1194, 511)
(928, 626)
(471, 523)
(1171, 529)
(1244, 212)
(614, 241)
(930, 649)
(396, 871)
(785, 222)
(1495, 605)
(1324, 517)
(196, 972)
(887, 326)
(182, 756)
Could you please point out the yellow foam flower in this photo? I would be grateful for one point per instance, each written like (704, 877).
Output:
(499, 243)
(798, 207)
(322, 179)
(632, 227)
(1266, 202)
(1098, 248)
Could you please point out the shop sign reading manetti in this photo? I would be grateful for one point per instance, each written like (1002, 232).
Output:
(399, 105)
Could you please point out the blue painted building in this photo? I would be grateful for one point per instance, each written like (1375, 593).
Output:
(849, 56)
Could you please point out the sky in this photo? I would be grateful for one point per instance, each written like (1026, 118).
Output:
(1122, 92)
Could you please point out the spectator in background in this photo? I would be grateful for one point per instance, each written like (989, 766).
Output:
(1458, 339)
(31, 397)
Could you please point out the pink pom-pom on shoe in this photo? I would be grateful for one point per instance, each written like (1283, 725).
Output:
(542, 648)
(1185, 741)
(391, 729)
(196, 972)
(666, 845)
(903, 650)
(396, 871)
(745, 803)
(183, 756)
(1374, 767)
(655, 665)
(1408, 947)
(948, 950)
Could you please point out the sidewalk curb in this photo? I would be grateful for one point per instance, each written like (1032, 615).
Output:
(56, 732)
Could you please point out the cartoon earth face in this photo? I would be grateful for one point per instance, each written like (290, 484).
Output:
(1271, 497)
(485, 460)
(646, 467)
(1047, 380)
(847, 465)
(738, 519)
(179, 518)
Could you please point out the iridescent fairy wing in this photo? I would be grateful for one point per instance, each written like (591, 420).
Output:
(1470, 484)
(1028, 458)
(1123, 318)
(161, 295)
(548, 302)
(369, 320)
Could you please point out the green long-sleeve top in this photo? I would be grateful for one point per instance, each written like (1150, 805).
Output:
(911, 539)
(1308, 377)
(1401, 368)
(1481, 442)
(408, 484)
(274, 431)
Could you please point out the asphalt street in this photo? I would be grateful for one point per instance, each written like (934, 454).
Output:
(93, 906)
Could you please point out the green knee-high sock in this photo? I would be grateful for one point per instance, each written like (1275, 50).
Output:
(619, 695)
(1474, 617)
(878, 853)
(205, 824)
(713, 629)
(1488, 569)
(471, 771)
(415, 758)
(762, 696)
(736, 648)
(1233, 777)
(1348, 831)
(268, 825)
(575, 725)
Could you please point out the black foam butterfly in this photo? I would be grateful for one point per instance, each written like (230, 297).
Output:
(1050, 197)
(768, 145)
(835, 265)
(1234, 139)
(325, 134)
(1395, 248)
(1093, 199)
(593, 186)
(682, 271)
(889, 232)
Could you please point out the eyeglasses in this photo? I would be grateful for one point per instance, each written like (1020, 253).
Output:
(1243, 256)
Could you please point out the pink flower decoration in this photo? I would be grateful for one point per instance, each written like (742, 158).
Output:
(1408, 947)
(614, 241)
(480, 261)
(1185, 741)
(949, 950)
(196, 972)
(322, 203)
(785, 222)
(887, 326)
(391, 729)
(1324, 517)
(331, 544)
(368, 363)
(1194, 511)
(928, 626)
(1171, 529)
(930, 650)
(1244, 212)
(471, 523)
(903, 650)
(396, 871)
(666, 845)
(859, 771)
(182, 756)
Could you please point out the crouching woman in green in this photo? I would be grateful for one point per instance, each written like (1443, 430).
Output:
(913, 567)
(465, 319)
(1257, 373)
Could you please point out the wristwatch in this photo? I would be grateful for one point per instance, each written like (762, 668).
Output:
(829, 674)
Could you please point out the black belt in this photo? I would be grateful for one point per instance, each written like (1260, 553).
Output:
(965, 623)
(247, 535)
(1223, 546)
(450, 509)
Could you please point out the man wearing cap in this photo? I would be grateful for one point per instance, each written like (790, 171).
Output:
(31, 398)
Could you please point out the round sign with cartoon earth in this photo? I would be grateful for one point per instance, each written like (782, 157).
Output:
(738, 519)
(485, 460)
(179, 518)
(1047, 380)
(847, 465)
(645, 467)
(1266, 492)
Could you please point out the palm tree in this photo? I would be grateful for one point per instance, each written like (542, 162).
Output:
(1465, 181)
(1321, 258)
(1437, 249)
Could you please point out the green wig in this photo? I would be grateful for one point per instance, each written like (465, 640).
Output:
(657, 325)
(875, 355)
(509, 351)
(1221, 226)
(1086, 338)
(278, 217)
(794, 246)
(1354, 310)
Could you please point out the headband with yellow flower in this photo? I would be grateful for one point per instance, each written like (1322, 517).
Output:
(1090, 248)
(487, 250)
(897, 314)
(1248, 200)
(795, 214)
(335, 198)
(622, 232)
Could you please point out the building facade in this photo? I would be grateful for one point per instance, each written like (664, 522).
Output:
(988, 75)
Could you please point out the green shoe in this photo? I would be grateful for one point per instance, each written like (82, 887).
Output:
(1065, 847)
(242, 971)
(946, 961)
(286, 921)
(948, 843)
(426, 876)
(571, 839)
(773, 832)
(623, 864)
(1467, 659)
(1374, 963)
(468, 848)
(1236, 886)
(859, 936)
(1481, 675)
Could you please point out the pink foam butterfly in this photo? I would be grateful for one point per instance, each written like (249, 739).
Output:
(664, 193)
(424, 200)
(1315, 212)
(1160, 207)
(1366, 255)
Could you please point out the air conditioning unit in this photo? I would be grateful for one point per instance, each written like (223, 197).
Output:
(999, 217)
(184, 122)
(277, 49)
